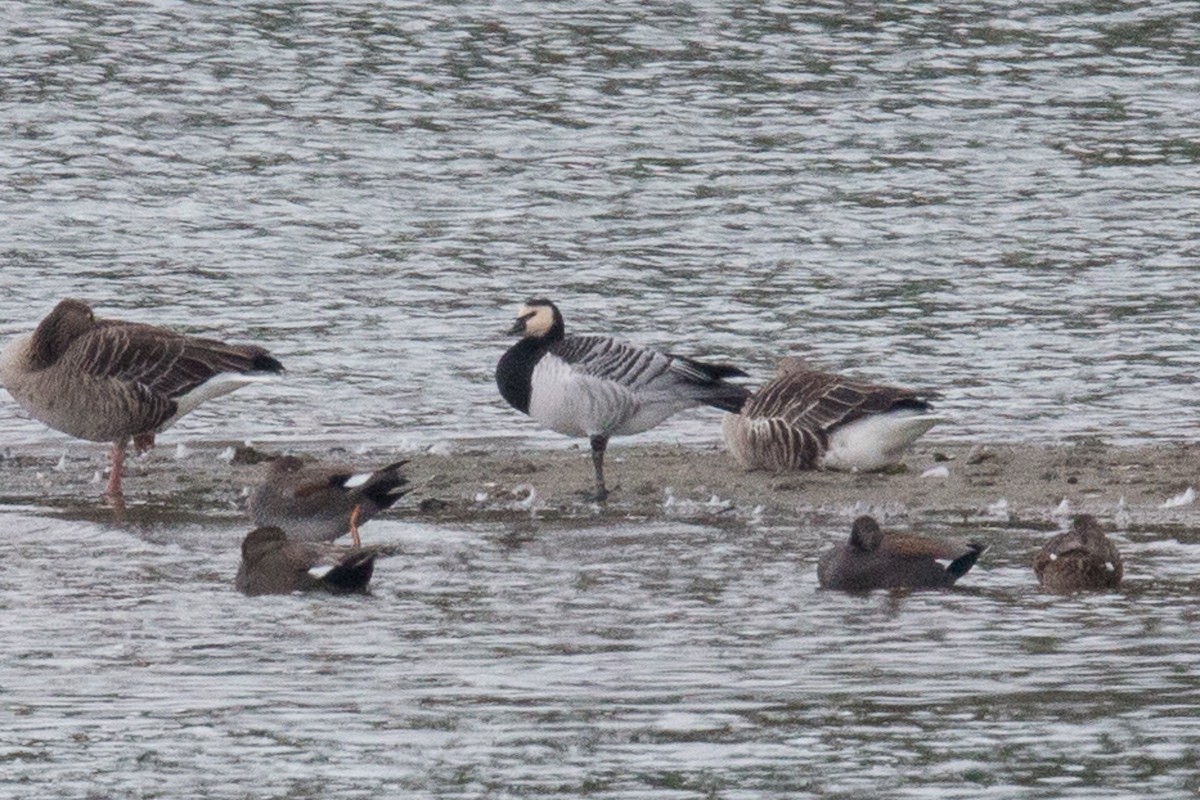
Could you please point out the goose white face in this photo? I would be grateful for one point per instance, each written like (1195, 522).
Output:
(538, 319)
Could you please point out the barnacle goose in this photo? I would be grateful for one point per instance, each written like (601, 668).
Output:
(106, 380)
(599, 386)
(809, 419)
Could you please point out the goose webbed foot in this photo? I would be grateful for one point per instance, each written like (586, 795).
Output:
(598, 495)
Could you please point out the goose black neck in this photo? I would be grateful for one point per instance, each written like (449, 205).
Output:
(514, 372)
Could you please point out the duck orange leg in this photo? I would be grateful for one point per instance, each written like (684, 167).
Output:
(354, 525)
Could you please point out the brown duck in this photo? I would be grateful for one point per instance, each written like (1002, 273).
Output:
(105, 380)
(1081, 559)
(878, 559)
(316, 502)
(273, 565)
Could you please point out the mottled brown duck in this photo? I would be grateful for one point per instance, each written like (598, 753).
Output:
(315, 502)
(1082, 559)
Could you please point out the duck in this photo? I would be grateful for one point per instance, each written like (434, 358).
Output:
(106, 380)
(876, 559)
(805, 418)
(315, 502)
(1081, 559)
(273, 564)
(597, 386)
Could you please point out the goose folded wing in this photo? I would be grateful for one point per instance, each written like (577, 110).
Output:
(637, 368)
(823, 401)
(162, 362)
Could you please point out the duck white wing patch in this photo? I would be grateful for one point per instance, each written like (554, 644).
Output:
(354, 481)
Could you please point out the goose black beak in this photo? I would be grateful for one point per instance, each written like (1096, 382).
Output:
(519, 325)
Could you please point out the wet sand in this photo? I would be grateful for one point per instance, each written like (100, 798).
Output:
(954, 483)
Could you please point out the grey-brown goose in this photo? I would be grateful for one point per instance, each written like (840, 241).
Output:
(1081, 559)
(599, 386)
(808, 419)
(876, 559)
(273, 565)
(108, 381)
(315, 502)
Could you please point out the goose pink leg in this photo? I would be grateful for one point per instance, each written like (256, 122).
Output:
(113, 489)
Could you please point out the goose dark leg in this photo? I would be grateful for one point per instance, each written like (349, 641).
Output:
(598, 445)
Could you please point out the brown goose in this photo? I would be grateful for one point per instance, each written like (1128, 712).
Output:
(273, 565)
(875, 559)
(107, 381)
(1082, 559)
(808, 419)
(598, 386)
(320, 502)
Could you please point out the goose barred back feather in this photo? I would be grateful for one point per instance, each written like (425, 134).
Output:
(792, 421)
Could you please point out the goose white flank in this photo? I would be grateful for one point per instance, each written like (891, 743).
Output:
(599, 386)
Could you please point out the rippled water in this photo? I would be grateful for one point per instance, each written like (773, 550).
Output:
(997, 200)
(674, 659)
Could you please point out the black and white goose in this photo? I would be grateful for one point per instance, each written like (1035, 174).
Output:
(105, 380)
(809, 419)
(598, 386)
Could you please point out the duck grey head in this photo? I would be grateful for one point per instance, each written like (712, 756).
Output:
(866, 534)
(261, 539)
(538, 318)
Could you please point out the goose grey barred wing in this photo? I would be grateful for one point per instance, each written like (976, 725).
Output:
(163, 362)
(822, 401)
(650, 372)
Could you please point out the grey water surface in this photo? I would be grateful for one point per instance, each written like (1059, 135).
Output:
(996, 200)
(668, 659)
